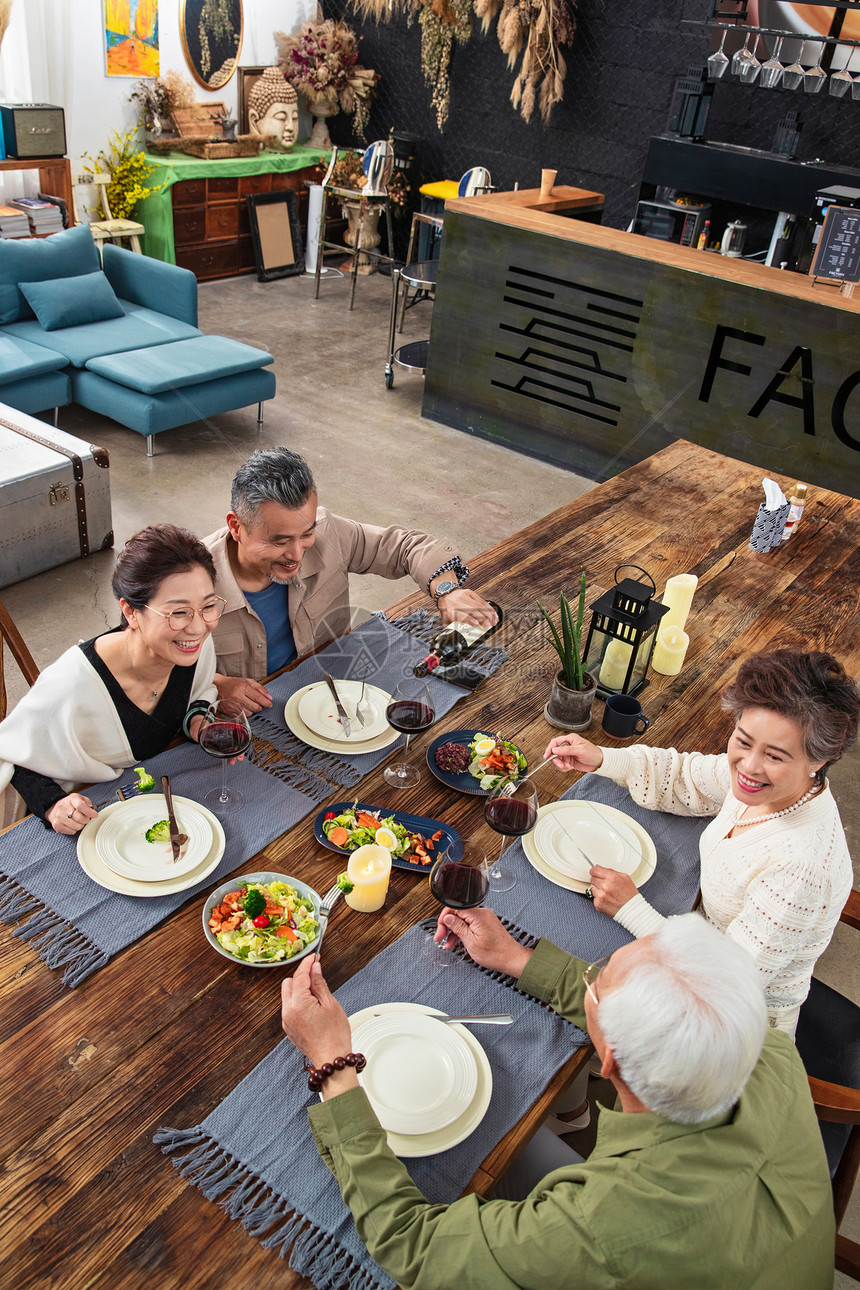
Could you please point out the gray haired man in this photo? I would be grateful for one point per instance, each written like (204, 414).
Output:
(709, 1173)
(283, 564)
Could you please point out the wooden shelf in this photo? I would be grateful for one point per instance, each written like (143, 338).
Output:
(55, 177)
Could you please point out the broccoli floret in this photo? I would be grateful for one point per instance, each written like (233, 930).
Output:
(254, 902)
(159, 832)
(344, 883)
(145, 781)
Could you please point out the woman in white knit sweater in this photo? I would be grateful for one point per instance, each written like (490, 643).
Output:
(775, 868)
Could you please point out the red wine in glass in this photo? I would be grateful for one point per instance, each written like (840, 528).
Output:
(511, 810)
(410, 710)
(224, 737)
(459, 879)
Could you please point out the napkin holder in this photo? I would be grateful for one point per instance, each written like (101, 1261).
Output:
(770, 520)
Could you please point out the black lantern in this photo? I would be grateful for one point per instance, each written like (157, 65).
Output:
(690, 103)
(621, 637)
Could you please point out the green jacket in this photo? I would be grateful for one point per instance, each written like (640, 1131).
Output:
(741, 1202)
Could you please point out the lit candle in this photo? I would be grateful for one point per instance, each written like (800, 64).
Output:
(668, 656)
(613, 669)
(678, 597)
(369, 869)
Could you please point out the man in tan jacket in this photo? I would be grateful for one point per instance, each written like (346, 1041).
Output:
(283, 566)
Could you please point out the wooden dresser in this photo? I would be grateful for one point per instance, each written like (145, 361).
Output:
(198, 218)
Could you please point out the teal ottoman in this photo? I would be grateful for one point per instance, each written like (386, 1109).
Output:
(163, 386)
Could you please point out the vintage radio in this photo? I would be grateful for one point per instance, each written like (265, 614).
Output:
(33, 130)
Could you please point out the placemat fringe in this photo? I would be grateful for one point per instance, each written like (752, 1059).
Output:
(324, 765)
(313, 1252)
(61, 945)
(15, 902)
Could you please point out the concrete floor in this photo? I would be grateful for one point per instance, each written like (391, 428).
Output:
(374, 458)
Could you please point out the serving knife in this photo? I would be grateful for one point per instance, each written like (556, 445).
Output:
(341, 710)
(176, 838)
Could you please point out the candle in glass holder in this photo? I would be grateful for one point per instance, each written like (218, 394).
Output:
(613, 669)
(678, 597)
(668, 656)
(368, 870)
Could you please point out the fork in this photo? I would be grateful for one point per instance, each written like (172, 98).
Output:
(326, 906)
(362, 708)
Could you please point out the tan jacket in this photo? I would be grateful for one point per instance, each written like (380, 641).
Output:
(319, 597)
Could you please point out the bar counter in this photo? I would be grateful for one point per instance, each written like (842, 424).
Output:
(594, 348)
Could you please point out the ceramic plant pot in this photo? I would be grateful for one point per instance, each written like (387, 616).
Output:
(370, 234)
(321, 110)
(570, 709)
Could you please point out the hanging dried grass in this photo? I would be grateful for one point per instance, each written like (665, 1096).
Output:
(536, 29)
(5, 17)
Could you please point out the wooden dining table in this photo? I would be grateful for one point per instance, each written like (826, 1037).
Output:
(168, 1027)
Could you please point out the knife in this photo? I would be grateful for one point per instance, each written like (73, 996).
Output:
(341, 710)
(487, 1018)
(176, 838)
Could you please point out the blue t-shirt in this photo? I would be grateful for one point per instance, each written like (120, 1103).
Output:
(273, 608)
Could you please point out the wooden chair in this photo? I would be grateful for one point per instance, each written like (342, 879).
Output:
(108, 229)
(828, 1040)
(11, 806)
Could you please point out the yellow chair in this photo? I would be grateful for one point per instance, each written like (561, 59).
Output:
(110, 229)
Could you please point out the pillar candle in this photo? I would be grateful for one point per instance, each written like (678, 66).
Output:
(678, 596)
(668, 656)
(613, 669)
(369, 869)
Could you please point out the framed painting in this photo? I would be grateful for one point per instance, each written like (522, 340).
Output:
(131, 38)
(276, 235)
(211, 34)
(247, 78)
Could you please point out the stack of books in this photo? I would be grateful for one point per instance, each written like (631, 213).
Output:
(13, 223)
(44, 217)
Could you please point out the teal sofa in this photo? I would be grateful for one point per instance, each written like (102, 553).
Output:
(119, 337)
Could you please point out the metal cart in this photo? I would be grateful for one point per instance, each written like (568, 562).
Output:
(412, 356)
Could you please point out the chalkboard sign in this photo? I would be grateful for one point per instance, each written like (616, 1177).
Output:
(838, 253)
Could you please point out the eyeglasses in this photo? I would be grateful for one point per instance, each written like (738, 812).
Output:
(179, 618)
(591, 973)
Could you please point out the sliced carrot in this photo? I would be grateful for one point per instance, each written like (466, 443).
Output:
(367, 821)
(338, 836)
(286, 932)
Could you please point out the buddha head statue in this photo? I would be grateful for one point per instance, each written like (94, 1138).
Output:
(273, 108)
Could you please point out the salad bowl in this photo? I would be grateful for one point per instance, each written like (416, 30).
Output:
(412, 824)
(215, 897)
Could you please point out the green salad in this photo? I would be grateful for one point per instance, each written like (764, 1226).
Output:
(494, 760)
(264, 922)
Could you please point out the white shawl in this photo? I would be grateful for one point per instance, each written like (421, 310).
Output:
(67, 728)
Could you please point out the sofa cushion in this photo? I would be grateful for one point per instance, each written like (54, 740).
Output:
(63, 255)
(19, 360)
(187, 362)
(138, 329)
(71, 302)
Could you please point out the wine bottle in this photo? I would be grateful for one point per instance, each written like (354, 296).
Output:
(451, 643)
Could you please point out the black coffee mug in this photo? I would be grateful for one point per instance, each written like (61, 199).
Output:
(623, 717)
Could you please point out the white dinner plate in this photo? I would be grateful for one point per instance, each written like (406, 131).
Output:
(318, 711)
(99, 872)
(618, 826)
(421, 1075)
(307, 736)
(574, 838)
(432, 1143)
(121, 841)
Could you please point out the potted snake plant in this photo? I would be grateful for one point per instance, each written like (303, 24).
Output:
(573, 688)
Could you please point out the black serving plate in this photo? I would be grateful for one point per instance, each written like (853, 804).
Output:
(415, 824)
(463, 782)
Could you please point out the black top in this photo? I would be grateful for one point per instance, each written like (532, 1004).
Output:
(147, 733)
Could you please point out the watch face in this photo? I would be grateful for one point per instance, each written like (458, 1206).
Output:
(444, 588)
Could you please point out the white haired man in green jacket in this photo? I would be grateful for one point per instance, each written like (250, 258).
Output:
(709, 1173)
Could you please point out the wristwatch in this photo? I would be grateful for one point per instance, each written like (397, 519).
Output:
(444, 587)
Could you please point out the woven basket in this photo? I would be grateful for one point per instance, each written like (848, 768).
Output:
(247, 145)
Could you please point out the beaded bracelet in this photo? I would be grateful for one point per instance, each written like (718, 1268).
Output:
(316, 1077)
(198, 708)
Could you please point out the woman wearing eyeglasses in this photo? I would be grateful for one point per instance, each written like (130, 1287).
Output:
(113, 701)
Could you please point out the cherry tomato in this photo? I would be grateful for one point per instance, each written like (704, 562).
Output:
(330, 815)
(262, 920)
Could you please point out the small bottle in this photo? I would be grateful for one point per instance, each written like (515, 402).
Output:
(797, 502)
(454, 641)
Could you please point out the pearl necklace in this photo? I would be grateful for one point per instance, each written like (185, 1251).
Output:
(738, 823)
(154, 693)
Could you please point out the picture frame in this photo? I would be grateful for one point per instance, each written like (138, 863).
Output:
(247, 78)
(131, 39)
(211, 32)
(276, 235)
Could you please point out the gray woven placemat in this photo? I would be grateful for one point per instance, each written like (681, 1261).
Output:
(258, 1182)
(381, 654)
(74, 923)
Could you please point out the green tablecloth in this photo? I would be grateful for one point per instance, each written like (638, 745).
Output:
(156, 212)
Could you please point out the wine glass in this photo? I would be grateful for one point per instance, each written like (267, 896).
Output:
(813, 77)
(840, 83)
(795, 72)
(224, 737)
(511, 809)
(410, 710)
(742, 56)
(772, 70)
(718, 61)
(460, 879)
(750, 66)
